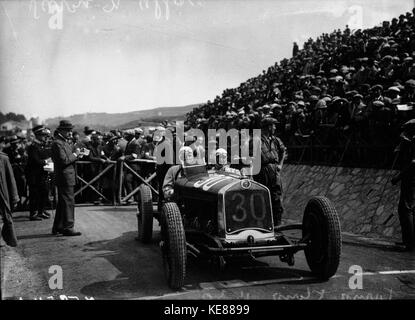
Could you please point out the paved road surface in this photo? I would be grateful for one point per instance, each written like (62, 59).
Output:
(107, 263)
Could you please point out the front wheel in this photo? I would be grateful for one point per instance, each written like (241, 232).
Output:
(321, 231)
(145, 214)
(173, 245)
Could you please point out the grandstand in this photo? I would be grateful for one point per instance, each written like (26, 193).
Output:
(340, 100)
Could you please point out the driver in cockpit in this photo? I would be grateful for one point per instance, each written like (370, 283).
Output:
(222, 165)
(186, 158)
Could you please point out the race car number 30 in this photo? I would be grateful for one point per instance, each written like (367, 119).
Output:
(244, 206)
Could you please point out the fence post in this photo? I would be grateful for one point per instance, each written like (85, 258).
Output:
(114, 191)
(120, 165)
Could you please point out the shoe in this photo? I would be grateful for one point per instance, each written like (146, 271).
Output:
(70, 233)
(56, 231)
(35, 217)
(44, 215)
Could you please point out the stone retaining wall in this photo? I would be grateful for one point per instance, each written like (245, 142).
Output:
(365, 199)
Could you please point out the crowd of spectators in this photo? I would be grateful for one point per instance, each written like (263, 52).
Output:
(104, 148)
(340, 100)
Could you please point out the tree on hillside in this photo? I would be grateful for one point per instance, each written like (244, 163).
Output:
(11, 116)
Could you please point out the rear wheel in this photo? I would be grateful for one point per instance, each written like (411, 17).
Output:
(173, 245)
(321, 230)
(145, 214)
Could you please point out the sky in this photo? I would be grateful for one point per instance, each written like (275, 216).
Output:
(64, 57)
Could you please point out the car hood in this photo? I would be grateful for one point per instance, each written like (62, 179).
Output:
(205, 184)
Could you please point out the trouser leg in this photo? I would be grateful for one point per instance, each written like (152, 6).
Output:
(7, 230)
(57, 222)
(128, 182)
(276, 201)
(33, 199)
(65, 210)
(68, 207)
(406, 214)
(43, 196)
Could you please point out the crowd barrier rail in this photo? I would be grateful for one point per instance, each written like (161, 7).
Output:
(117, 180)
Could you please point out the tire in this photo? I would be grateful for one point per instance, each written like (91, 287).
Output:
(173, 246)
(145, 214)
(321, 228)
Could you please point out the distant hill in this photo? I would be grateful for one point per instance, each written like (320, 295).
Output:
(107, 121)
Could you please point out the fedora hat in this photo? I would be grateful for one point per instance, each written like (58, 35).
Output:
(65, 125)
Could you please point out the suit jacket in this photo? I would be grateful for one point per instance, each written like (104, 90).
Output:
(8, 188)
(37, 154)
(8, 197)
(64, 162)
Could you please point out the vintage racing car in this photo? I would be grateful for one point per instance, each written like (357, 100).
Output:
(223, 215)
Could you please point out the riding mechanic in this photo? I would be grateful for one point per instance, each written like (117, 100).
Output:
(273, 154)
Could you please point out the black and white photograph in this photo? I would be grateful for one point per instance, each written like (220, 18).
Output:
(207, 154)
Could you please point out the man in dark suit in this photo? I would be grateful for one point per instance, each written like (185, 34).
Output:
(406, 207)
(64, 163)
(36, 176)
(8, 197)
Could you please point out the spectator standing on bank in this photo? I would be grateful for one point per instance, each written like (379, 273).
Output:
(64, 159)
(406, 205)
(8, 197)
(37, 177)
